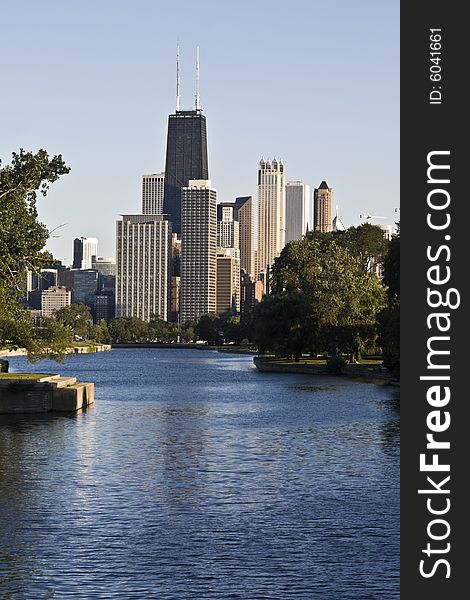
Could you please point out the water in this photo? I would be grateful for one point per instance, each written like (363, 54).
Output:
(196, 477)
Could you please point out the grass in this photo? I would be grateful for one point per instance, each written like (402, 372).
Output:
(23, 376)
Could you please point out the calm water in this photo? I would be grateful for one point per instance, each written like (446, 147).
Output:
(196, 477)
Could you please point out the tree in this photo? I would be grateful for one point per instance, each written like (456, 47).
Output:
(128, 330)
(77, 317)
(342, 298)
(209, 329)
(22, 240)
(389, 320)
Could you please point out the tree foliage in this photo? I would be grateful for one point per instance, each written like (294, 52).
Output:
(22, 240)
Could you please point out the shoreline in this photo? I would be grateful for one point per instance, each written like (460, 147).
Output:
(368, 373)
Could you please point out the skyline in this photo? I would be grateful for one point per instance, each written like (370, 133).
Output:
(104, 104)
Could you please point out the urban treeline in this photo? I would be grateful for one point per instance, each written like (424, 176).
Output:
(334, 294)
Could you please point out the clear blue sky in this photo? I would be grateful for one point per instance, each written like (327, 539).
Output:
(313, 82)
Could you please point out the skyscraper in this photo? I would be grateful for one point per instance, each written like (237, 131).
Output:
(186, 153)
(143, 253)
(245, 214)
(54, 299)
(227, 226)
(152, 193)
(298, 209)
(271, 211)
(83, 249)
(228, 281)
(323, 208)
(198, 250)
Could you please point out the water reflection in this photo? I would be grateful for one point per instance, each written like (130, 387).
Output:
(197, 477)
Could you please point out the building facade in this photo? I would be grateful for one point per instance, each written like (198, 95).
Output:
(227, 226)
(198, 250)
(54, 299)
(245, 214)
(298, 210)
(143, 266)
(84, 249)
(186, 159)
(323, 208)
(104, 266)
(228, 281)
(251, 292)
(152, 193)
(271, 211)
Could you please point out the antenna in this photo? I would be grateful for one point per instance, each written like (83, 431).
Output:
(177, 77)
(198, 99)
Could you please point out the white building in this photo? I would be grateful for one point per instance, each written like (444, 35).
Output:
(152, 193)
(298, 210)
(84, 248)
(54, 299)
(143, 266)
(198, 249)
(228, 235)
(104, 266)
(271, 211)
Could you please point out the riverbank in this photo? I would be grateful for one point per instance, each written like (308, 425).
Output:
(78, 349)
(229, 348)
(370, 371)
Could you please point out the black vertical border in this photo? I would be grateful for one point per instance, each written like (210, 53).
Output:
(426, 128)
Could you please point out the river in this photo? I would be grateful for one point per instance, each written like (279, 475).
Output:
(196, 477)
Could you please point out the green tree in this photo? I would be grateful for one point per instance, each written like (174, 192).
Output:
(209, 329)
(389, 320)
(77, 317)
(22, 240)
(128, 330)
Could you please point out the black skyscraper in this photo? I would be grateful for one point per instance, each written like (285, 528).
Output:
(186, 158)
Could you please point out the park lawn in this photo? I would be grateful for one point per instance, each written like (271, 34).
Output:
(24, 376)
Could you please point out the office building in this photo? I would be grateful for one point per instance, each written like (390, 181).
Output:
(152, 193)
(245, 214)
(271, 211)
(104, 266)
(53, 299)
(298, 209)
(198, 250)
(228, 281)
(251, 292)
(186, 153)
(85, 286)
(84, 249)
(143, 266)
(227, 226)
(323, 208)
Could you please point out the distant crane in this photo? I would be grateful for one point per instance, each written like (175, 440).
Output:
(368, 217)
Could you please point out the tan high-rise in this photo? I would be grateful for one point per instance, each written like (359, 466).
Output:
(143, 261)
(152, 193)
(323, 208)
(228, 281)
(245, 213)
(271, 211)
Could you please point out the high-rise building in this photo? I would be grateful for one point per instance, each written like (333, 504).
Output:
(271, 211)
(337, 224)
(227, 226)
(298, 209)
(186, 152)
(228, 281)
(245, 214)
(152, 193)
(85, 286)
(251, 292)
(323, 208)
(143, 252)
(83, 250)
(54, 299)
(198, 250)
(104, 266)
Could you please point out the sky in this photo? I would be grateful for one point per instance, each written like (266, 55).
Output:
(315, 83)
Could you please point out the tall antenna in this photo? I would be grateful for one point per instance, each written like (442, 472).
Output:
(198, 99)
(177, 77)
